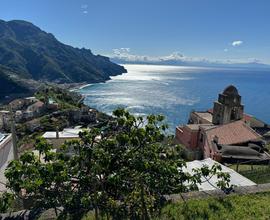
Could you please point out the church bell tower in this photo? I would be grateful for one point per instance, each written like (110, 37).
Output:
(228, 108)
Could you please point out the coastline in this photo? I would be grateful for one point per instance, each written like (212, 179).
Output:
(72, 87)
(78, 87)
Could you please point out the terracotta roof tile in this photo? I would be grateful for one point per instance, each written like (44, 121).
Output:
(247, 117)
(232, 133)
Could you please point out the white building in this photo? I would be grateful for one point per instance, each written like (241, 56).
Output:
(236, 178)
(57, 138)
(6, 155)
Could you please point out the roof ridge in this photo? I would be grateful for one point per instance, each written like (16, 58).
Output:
(220, 126)
(251, 129)
(211, 128)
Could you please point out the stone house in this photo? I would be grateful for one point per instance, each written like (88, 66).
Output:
(84, 114)
(34, 110)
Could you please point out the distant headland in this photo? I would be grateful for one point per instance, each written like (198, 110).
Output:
(30, 56)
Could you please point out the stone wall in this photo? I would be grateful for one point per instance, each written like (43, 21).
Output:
(241, 190)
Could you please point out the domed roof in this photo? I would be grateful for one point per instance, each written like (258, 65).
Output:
(230, 90)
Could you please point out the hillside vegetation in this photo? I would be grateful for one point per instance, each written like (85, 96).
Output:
(253, 206)
(30, 53)
(11, 85)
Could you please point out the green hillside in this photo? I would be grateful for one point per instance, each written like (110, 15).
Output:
(38, 55)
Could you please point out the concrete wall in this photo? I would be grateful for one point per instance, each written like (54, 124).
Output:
(241, 190)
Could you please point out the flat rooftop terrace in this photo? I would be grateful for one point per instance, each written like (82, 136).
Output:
(205, 115)
(66, 133)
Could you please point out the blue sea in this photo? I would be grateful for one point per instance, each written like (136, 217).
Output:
(174, 91)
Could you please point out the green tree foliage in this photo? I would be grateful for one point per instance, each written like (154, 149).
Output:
(66, 99)
(121, 171)
(6, 200)
(41, 180)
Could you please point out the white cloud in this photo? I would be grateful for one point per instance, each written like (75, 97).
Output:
(237, 43)
(123, 50)
(84, 6)
(124, 54)
(174, 56)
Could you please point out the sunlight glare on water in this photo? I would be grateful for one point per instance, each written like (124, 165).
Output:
(176, 90)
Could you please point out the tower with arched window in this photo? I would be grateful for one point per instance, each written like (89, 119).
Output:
(228, 108)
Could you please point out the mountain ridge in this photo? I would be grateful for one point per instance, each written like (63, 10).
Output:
(36, 54)
(30, 56)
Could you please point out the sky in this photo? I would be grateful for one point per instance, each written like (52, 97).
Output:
(210, 29)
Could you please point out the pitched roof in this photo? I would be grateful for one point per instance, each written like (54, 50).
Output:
(232, 133)
(35, 106)
(248, 152)
(38, 104)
